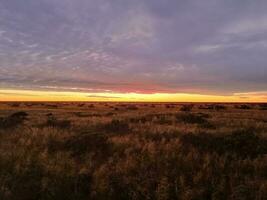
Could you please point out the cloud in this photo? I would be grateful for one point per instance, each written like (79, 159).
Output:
(103, 97)
(214, 46)
(17, 94)
(247, 26)
(257, 93)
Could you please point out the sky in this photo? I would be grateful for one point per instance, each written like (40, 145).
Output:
(133, 50)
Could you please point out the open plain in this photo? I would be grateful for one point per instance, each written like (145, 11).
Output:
(133, 151)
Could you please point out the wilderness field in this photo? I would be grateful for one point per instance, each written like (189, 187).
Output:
(133, 151)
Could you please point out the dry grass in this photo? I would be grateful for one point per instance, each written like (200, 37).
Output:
(133, 151)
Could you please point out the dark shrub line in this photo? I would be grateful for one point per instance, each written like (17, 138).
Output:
(243, 107)
(216, 107)
(242, 143)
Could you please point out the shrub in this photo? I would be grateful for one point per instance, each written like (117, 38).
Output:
(49, 114)
(263, 106)
(84, 114)
(51, 106)
(216, 107)
(204, 115)
(244, 107)
(243, 143)
(132, 107)
(243, 192)
(163, 120)
(169, 106)
(142, 119)
(116, 126)
(62, 124)
(82, 144)
(190, 118)
(159, 136)
(19, 115)
(109, 114)
(207, 125)
(219, 107)
(206, 107)
(15, 105)
(13, 120)
(187, 108)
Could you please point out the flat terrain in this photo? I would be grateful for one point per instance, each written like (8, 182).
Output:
(133, 151)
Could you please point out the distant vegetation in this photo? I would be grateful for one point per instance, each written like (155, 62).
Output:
(102, 151)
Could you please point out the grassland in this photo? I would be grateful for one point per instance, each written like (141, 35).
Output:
(133, 151)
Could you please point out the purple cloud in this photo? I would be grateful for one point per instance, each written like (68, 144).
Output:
(213, 46)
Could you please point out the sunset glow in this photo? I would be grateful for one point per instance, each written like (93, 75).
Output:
(28, 95)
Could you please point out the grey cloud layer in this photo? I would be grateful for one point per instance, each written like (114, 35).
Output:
(212, 46)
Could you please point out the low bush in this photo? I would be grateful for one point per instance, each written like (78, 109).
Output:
(243, 107)
(191, 118)
(243, 143)
(15, 105)
(132, 107)
(52, 106)
(54, 122)
(116, 126)
(169, 106)
(13, 120)
(219, 107)
(163, 120)
(187, 108)
(263, 106)
(216, 107)
(142, 119)
(82, 144)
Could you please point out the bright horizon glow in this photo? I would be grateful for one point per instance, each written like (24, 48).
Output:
(31, 95)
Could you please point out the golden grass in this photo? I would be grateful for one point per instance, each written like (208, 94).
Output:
(133, 151)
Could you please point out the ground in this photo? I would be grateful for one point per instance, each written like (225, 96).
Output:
(133, 151)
